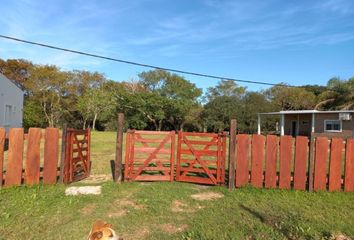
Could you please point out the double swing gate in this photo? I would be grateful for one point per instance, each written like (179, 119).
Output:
(200, 158)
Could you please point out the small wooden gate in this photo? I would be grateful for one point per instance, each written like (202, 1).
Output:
(201, 158)
(149, 156)
(77, 155)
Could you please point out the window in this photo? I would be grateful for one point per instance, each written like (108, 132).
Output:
(8, 114)
(333, 125)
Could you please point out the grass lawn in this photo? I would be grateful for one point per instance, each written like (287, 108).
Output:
(172, 210)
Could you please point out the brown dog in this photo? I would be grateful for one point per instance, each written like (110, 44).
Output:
(102, 231)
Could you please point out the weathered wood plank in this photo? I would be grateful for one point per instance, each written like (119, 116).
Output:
(51, 155)
(349, 166)
(286, 153)
(301, 159)
(258, 142)
(271, 162)
(242, 161)
(32, 168)
(15, 157)
(335, 174)
(321, 158)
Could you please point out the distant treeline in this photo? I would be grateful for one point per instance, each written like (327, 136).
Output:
(159, 100)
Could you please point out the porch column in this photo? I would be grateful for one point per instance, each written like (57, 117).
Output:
(259, 124)
(282, 121)
(313, 123)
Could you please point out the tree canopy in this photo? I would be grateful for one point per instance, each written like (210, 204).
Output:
(159, 100)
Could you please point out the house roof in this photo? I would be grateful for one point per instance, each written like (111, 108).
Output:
(15, 83)
(306, 112)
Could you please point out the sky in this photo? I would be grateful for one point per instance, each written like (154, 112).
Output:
(295, 42)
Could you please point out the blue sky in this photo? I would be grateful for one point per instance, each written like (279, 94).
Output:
(297, 42)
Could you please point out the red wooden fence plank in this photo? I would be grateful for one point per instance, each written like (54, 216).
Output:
(32, 168)
(321, 157)
(15, 157)
(2, 145)
(286, 153)
(127, 158)
(242, 172)
(258, 142)
(172, 156)
(335, 164)
(51, 151)
(300, 166)
(271, 162)
(349, 167)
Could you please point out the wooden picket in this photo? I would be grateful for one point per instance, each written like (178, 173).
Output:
(300, 166)
(258, 142)
(32, 166)
(335, 164)
(349, 166)
(14, 163)
(321, 157)
(271, 162)
(242, 162)
(286, 153)
(51, 155)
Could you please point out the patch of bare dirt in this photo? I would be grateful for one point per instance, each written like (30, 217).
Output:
(340, 237)
(98, 178)
(88, 209)
(122, 207)
(117, 213)
(205, 196)
(180, 206)
(172, 229)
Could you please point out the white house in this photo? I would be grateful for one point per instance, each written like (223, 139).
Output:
(11, 103)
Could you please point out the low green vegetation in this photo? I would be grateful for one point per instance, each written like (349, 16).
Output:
(168, 211)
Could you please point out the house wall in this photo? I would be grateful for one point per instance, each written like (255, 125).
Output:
(304, 124)
(11, 96)
(347, 126)
(305, 121)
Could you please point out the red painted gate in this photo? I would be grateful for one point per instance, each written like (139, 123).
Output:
(149, 156)
(77, 156)
(201, 158)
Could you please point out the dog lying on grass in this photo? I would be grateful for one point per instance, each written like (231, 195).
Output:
(102, 231)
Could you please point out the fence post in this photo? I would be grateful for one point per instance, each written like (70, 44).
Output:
(63, 153)
(119, 149)
(232, 154)
(312, 162)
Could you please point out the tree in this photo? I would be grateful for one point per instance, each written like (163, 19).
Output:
(178, 96)
(252, 104)
(92, 103)
(338, 96)
(290, 98)
(227, 88)
(224, 103)
(49, 87)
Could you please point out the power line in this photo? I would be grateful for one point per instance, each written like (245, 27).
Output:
(140, 64)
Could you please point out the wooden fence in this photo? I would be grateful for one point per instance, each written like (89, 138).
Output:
(285, 162)
(23, 162)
